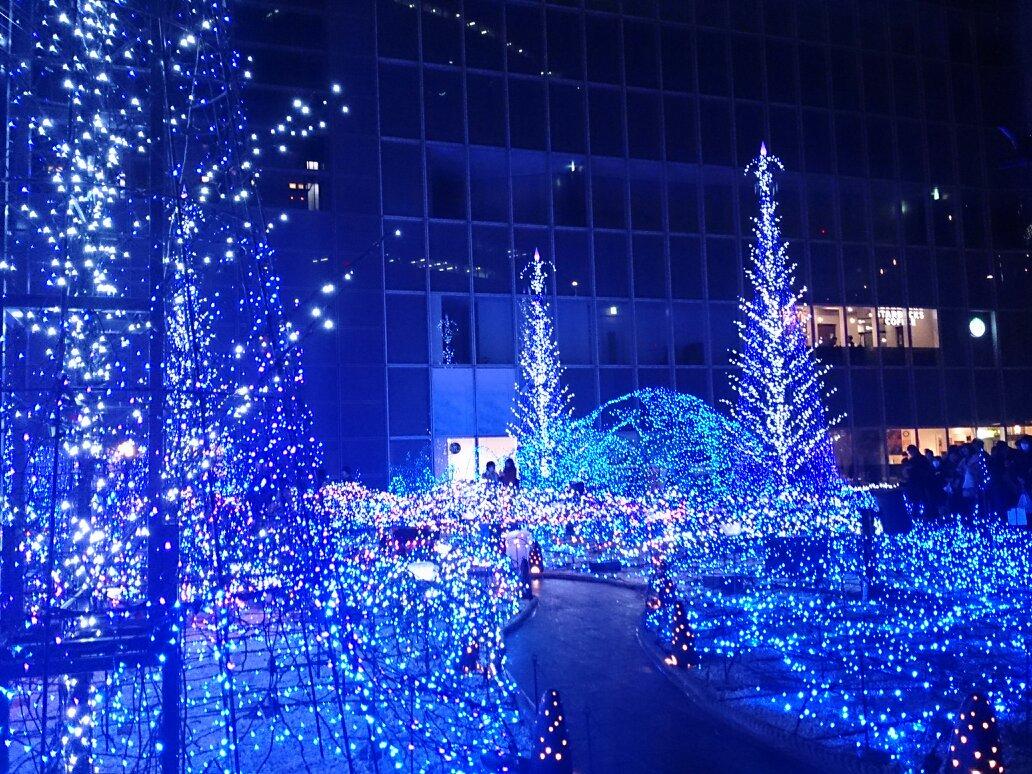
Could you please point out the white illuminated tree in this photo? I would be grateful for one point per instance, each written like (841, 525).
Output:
(780, 405)
(542, 413)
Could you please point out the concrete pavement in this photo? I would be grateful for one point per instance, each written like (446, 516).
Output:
(625, 717)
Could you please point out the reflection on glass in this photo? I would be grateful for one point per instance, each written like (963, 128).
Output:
(860, 330)
(924, 329)
(828, 326)
(892, 325)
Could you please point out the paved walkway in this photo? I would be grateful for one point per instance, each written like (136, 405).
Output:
(625, 717)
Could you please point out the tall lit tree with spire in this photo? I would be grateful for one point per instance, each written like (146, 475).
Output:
(542, 410)
(780, 406)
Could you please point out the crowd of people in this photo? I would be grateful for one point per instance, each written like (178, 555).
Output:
(969, 481)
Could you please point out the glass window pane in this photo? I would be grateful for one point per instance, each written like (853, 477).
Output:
(453, 402)
(789, 197)
(646, 195)
(912, 211)
(615, 383)
(404, 255)
(569, 191)
(495, 341)
(609, 193)
(680, 122)
(572, 263)
(574, 332)
(449, 257)
(683, 198)
(527, 240)
(489, 184)
(920, 277)
(525, 27)
(813, 73)
(406, 329)
(845, 80)
(605, 109)
(676, 44)
(399, 101)
(856, 263)
(643, 126)
(885, 211)
(649, 266)
(828, 326)
(409, 394)
(723, 332)
(485, 47)
(715, 132)
(442, 33)
(723, 268)
(690, 334)
(565, 45)
(747, 57)
(713, 64)
(860, 329)
(853, 210)
(944, 220)
(719, 209)
(486, 101)
(442, 98)
(615, 334)
(879, 145)
(653, 327)
(398, 29)
(973, 218)
(604, 47)
(492, 261)
(402, 167)
(527, 127)
(640, 49)
(910, 142)
(530, 187)
(612, 270)
(686, 267)
(447, 181)
(849, 139)
(566, 112)
(820, 199)
(750, 131)
(450, 340)
(924, 328)
(824, 272)
(817, 141)
(784, 134)
(905, 85)
(781, 72)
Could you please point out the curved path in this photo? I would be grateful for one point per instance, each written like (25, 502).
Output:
(624, 715)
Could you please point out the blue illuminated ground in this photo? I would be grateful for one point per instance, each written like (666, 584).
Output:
(624, 715)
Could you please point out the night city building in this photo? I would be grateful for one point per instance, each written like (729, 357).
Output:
(612, 137)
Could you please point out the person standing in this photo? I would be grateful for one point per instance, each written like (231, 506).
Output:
(490, 473)
(509, 476)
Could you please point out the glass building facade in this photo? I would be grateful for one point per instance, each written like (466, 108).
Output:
(612, 137)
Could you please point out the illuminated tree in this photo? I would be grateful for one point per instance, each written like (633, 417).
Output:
(542, 410)
(536, 559)
(785, 438)
(681, 649)
(975, 741)
(551, 753)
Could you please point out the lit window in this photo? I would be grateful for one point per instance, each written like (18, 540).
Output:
(304, 196)
(313, 166)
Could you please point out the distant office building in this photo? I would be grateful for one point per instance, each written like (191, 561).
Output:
(612, 137)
